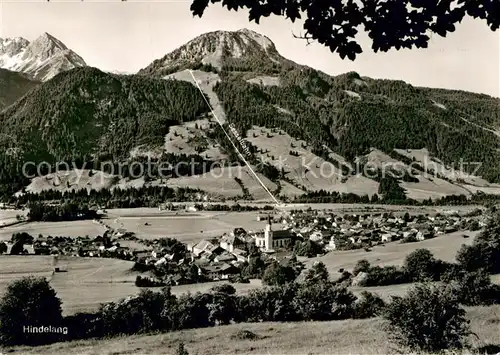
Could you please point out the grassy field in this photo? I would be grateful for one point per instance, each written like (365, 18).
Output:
(186, 227)
(398, 290)
(71, 229)
(9, 216)
(85, 283)
(334, 337)
(443, 247)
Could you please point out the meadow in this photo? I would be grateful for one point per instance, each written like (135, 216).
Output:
(186, 227)
(85, 283)
(10, 216)
(70, 229)
(443, 247)
(332, 337)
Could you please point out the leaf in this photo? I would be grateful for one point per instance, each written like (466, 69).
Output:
(198, 7)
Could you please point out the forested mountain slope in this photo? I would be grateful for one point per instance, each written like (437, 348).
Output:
(13, 85)
(85, 114)
(347, 113)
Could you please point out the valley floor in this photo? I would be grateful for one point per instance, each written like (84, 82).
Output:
(334, 337)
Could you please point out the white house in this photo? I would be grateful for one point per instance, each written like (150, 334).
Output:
(387, 237)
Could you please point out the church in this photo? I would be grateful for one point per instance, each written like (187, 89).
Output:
(269, 240)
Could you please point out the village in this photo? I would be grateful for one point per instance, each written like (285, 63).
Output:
(283, 236)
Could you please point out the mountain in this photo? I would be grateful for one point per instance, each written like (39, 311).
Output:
(85, 112)
(13, 85)
(289, 119)
(42, 59)
(347, 113)
(221, 49)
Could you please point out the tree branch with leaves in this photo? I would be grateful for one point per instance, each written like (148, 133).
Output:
(389, 23)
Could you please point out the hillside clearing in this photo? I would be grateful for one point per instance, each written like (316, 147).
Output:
(190, 138)
(423, 157)
(305, 169)
(265, 80)
(221, 181)
(333, 337)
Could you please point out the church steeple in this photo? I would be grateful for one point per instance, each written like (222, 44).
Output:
(268, 235)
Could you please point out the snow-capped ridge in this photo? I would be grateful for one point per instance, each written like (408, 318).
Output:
(42, 59)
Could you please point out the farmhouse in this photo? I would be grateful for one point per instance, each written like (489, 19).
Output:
(202, 246)
(218, 271)
(230, 242)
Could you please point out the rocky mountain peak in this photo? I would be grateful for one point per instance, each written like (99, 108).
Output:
(41, 59)
(217, 49)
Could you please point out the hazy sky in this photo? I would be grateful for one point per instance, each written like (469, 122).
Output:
(127, 36)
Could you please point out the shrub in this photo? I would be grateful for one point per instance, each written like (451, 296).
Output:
(429, 318)
(361, 266)
(84, 325)
(368, 305)
(245, 335)
(3, 248)
(148, 282)
(383, 276)
(181, 350)
(224, 288)
(139, 314)
(28, 302)
(323, 301)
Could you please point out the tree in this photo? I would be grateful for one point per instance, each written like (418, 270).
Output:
(475, 289)
(17, 248)
(3, 247)
(390, 189)
(420, 265)
(389, 24)
(308, 248)
(318, 273)
(428, 318)
(27, 302)
(276, 274)
(470, 258)
(221, 308)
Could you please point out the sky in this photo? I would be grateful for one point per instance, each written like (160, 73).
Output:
(127, 36)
